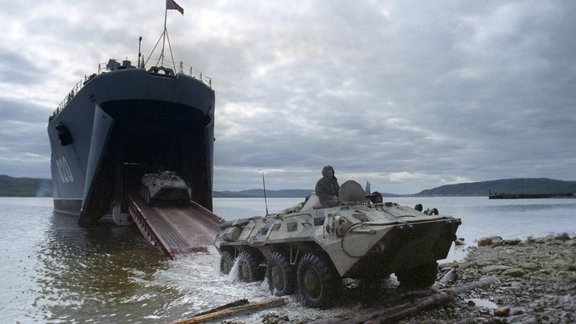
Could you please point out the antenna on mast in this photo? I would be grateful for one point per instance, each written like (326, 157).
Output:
(265, 198)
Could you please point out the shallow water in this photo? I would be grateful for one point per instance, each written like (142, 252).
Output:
(54, 271)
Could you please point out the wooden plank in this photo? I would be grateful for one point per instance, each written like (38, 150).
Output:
(403, 308)
(236, 310)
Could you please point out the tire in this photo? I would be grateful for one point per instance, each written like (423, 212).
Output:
(147, 199)
(226, 262)
(318, 281)
(248, 270)
(280, 275)
(421, 276)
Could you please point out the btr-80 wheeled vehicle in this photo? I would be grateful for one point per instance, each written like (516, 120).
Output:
(164, 187)
(308, 248)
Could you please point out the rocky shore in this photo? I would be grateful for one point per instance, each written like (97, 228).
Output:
(535, 283)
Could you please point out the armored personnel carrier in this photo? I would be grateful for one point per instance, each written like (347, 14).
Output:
(308, 249)
(164, 187)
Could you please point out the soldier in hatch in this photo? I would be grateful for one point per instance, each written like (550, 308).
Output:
(376, 197)
(327, 188)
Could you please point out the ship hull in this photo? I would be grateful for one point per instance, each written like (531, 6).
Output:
(123, 124)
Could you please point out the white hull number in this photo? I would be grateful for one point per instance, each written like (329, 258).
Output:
(64, 170)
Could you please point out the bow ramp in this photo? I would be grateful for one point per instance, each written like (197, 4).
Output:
(176, 230)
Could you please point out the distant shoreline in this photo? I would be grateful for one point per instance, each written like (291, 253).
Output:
(495, 189)
(530, 196)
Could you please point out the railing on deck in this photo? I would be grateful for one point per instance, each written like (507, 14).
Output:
(102, 68)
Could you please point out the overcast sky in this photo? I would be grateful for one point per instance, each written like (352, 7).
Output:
(408, 95)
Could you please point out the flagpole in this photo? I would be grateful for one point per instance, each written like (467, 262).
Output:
(164, 36)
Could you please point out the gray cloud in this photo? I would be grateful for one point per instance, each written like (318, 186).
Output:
(14, 68)
(404, 94)
(24, 147)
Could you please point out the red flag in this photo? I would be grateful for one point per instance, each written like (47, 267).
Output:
(171, 4)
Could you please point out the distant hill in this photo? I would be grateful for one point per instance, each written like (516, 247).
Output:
(285, 193)
(35, 187)
(25, 187)
(507, 186)
(257, 193)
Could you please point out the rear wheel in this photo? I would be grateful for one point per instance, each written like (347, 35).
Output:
(248, 270)
(226, 262)
(280, 275)
(421, 276)
(318, 281)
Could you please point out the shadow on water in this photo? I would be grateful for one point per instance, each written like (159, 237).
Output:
(101, 274)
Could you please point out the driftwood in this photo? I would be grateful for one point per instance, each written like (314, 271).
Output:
(239, 302)
(450, 276)
(233, 308)
(397, 312)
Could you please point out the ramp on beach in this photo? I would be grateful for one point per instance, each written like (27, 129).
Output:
(176, 230)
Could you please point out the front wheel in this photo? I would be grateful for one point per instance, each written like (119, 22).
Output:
(147, 199)
(318, 281)
(226, 262)
(280, 275)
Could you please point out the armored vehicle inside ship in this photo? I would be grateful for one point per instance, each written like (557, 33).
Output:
(164, 187)
(309, 249)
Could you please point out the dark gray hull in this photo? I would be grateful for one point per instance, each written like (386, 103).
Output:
(123, 124)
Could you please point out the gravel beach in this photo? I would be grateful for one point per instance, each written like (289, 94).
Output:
(535, 283)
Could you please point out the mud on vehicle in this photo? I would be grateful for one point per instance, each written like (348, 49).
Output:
(308, 249)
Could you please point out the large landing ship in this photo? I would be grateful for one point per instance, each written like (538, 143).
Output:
(123, 122)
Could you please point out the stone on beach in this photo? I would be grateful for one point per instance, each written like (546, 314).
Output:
(502, 311)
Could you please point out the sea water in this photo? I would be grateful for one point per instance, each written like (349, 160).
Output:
(52, 270)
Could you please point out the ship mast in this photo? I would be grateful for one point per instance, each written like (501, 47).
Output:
(170, 5)
(164, 34)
